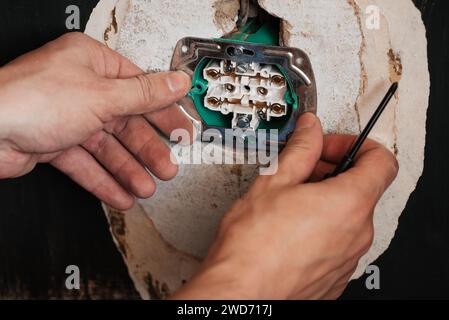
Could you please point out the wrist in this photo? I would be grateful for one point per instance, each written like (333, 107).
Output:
(238, 277)
(220, 281)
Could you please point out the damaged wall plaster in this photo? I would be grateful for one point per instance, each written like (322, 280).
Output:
(321, 33)
(156, 34)
(110, 15)
(158, 272)
(166, 236)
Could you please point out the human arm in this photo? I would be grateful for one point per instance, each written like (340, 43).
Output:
(91, 113)
(293, 236)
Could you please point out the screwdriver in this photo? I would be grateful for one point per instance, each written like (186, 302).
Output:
(348, 160)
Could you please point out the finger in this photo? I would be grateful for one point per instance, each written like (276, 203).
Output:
(165, 119)
(336, 146)
(374, 169)
(321, 169)
(302, 152)
(170, 119)
(121, 164)
(145, 144)
(82, 168)
(113, 66)
(143, 93)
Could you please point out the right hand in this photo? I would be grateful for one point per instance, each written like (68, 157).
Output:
(290, 238)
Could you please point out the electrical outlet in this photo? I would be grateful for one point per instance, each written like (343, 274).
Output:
(245, 83)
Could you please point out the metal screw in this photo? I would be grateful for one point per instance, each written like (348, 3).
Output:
(228, 67)
(236, 51)
(278, 80)
(229, 87)
(262, 113)
(242, 67)
(262, 91)
(243, 121)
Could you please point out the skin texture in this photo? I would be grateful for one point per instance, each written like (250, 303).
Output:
(92, 114)
(293, 236)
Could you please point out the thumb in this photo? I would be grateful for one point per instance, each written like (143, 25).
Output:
(145, 93)
(298, 159)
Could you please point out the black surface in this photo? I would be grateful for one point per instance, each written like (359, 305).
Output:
(47, 222)
(416, 265)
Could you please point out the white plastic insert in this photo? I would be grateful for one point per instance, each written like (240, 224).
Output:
(250, 91)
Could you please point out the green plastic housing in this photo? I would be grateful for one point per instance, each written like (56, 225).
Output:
(251, 32)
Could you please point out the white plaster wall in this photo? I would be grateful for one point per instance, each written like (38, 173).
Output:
(167, 235)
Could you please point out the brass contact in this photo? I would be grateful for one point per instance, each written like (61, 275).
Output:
(213, 73)
(214, 102)
(277, 108)
(278, 80)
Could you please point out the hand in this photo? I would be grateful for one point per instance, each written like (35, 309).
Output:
(87, 110)
(292, 238)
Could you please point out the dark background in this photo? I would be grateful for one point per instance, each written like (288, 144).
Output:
(47, 222)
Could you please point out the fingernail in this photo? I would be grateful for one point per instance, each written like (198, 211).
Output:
(178, 81)
(306, 121)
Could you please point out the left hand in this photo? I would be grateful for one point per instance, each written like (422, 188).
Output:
(89, 112)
